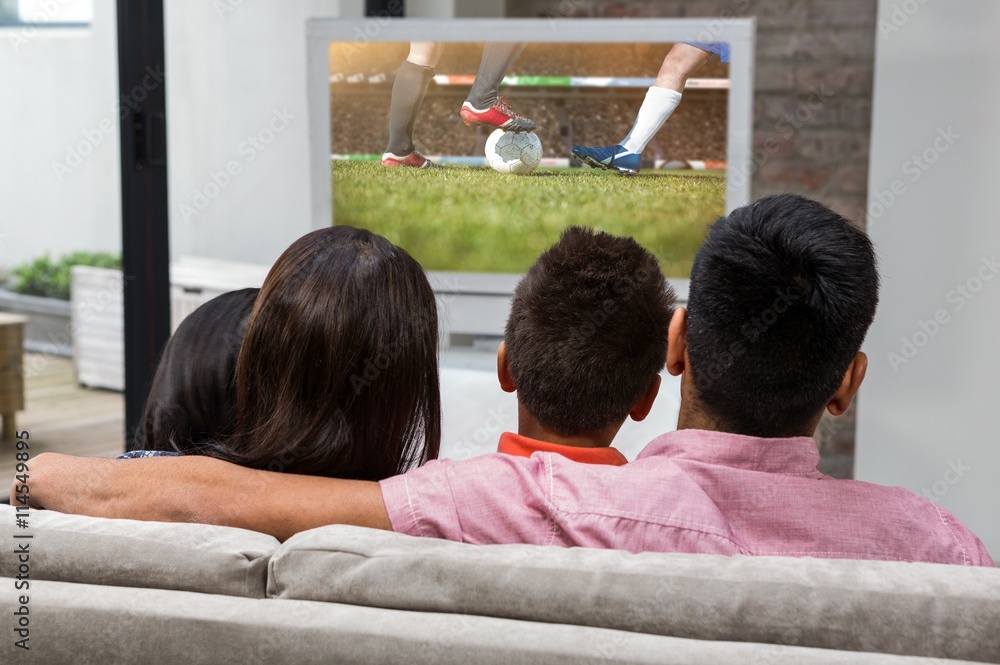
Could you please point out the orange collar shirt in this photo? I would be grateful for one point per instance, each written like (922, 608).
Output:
(522, 446)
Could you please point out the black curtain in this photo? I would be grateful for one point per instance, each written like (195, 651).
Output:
(145, 253)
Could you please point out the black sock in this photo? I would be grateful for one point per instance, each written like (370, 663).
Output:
(497, 59)
(407, 95)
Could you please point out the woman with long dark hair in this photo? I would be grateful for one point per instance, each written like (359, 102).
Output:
(337, 373)
(192, 398)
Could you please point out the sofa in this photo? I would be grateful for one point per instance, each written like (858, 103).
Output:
(123, 591)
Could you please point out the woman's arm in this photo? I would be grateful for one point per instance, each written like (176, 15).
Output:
(198, 489)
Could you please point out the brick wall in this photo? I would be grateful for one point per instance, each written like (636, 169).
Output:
(812, 110)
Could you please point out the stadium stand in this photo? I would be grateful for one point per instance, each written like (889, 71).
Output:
(361, 86)
(536, 60)
(695, 132)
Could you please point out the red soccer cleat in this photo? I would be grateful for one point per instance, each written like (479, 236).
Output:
(414, 160)
(500, 115)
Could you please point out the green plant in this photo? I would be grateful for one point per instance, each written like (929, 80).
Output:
(51, 278)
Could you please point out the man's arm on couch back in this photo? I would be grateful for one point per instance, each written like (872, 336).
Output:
(198, 489)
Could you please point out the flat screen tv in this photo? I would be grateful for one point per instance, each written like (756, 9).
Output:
(476, 227)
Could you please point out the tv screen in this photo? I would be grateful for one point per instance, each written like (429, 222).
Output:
(388, 94)
(472, 214)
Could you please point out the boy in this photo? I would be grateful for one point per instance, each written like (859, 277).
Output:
(585, 342)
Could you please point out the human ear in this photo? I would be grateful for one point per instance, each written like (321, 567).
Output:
(677, 342)
(645, 403)
(853, 377)
(503, 370)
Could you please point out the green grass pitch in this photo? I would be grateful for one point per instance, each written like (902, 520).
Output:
(472, 219)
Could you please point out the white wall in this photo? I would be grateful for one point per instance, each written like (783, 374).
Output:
(927, 413)
(59, 174)
(238, 126)
(238, 70)
(231, 65)
(236, 98)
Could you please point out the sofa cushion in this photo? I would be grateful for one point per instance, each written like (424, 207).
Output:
(92, 550)
(81, 624)
(885, 607)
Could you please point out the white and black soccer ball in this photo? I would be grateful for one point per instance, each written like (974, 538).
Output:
(513, 152)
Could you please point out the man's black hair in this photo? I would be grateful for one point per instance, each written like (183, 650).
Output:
(587, 332)
(782, 294)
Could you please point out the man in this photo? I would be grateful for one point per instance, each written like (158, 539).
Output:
(483, 106)
(661, 100)
(782, 294)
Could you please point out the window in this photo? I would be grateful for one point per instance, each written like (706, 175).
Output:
(43, 13)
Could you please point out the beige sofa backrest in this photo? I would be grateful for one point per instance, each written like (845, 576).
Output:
(182, 557)
(891, 608)
(861, 606)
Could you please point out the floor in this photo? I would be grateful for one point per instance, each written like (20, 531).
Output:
(62, 417)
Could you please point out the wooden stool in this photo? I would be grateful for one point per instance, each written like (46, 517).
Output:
(11, 370)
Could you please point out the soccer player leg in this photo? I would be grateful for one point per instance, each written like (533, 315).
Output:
(408, 90)
(658, 105)
(664, 95)
(611, 157)
(483, 106)
(662, 98)
(720, 49)
(426, 54)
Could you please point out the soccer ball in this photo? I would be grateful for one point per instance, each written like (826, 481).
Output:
(510, 152)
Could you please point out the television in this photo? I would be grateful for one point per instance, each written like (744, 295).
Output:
(476, 230)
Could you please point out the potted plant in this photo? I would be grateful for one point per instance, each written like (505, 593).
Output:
(98, 322)
(40, 289)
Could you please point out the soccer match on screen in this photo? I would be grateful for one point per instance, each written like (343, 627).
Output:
(475, 156)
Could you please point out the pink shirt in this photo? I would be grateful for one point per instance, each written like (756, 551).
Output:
(687, 491)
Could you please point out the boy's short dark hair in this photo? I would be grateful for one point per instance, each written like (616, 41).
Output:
(587, 331)
(782, 294)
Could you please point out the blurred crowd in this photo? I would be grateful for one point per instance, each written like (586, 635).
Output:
(616, 60)
(362, 77)
(697, 130)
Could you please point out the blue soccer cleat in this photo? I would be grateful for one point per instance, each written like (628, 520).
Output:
(612, 158)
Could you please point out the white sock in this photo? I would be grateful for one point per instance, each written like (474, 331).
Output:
(656, 108)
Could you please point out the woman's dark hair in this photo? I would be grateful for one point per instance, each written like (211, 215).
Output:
(192, 397)
(337, 375)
